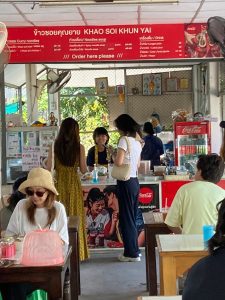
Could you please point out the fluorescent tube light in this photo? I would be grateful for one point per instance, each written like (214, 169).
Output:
(98, 2)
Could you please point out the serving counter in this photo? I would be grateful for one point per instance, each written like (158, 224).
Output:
(149, 196)
(154, 196)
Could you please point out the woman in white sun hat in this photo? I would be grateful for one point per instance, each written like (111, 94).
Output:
(40, 208)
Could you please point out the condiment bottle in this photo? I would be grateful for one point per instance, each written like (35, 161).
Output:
(95, 174)
(8, 247)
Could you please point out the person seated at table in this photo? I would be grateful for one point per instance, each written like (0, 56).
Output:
(153, 146)
(205, 279)
(13, 199)
(39, 209)
(100, 154)
(194, 204)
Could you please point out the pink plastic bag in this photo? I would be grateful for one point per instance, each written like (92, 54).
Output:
(42, 248)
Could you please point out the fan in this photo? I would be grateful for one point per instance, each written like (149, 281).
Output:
(216, 31)
(4, 49)
(55, 82)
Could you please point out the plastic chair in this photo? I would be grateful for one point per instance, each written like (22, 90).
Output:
(38, 295)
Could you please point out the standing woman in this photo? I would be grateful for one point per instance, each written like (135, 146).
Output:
(128, 190)
(100, 153)
(69, 154)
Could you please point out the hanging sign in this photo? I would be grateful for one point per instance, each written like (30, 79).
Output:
(109, 43)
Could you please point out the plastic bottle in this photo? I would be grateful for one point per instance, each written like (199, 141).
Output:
(101, 235)
(92, 236)
(95, 175)
(79, 172)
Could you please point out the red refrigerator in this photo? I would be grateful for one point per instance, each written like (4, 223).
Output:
(191, 140)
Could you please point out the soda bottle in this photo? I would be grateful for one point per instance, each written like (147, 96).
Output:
(204, 148)
(92, 235)
(101, 235)
(182, 147)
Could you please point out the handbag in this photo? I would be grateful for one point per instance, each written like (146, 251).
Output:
(122, 172)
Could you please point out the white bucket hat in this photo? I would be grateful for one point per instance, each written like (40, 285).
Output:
(38, 177)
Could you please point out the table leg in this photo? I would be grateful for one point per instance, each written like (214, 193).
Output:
(147, 259)
(168, 284)
(151, 265)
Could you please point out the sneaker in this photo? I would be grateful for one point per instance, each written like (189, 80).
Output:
(128, 259)
(139, 254)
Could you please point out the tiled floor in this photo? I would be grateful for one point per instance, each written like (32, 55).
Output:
(104, 277)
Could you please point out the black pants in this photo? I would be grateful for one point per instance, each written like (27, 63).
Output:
(16, 291)
(128, 192)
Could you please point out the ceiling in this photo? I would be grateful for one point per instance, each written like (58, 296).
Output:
(17, 13)
(30, 13)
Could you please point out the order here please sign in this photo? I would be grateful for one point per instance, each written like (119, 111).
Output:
(109, 43)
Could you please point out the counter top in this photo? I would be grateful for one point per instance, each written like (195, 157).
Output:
(113, 182)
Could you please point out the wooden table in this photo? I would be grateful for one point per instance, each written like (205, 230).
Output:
(152, 227)
(74, 265)
(160, 298)
(177, 253)
(49, 278)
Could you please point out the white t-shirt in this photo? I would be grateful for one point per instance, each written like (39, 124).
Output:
(19, 224)
(134, 156)
(102, 218)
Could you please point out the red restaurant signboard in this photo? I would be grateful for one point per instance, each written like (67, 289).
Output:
(109, 43)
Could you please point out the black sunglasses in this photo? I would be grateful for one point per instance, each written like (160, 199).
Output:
(37, 193)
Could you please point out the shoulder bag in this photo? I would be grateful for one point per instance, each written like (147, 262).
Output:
(122, 172)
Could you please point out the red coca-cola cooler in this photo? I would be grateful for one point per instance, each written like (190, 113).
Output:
(191, 140)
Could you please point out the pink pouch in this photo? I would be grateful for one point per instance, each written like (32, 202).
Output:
(42, 248)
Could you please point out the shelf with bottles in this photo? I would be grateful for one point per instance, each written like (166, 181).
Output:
(192, 145)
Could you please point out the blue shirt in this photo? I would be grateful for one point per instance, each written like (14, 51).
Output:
(152, 150)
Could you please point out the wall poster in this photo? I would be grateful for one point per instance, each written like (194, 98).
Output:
(102, 214)
(152, 84)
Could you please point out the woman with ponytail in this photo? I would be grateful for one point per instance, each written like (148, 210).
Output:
(206, 279)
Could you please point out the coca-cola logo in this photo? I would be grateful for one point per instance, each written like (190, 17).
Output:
(146, 195)
(191, 130)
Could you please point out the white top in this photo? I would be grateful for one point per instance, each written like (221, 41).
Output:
(19, 224)
(133, 157)
(102, 218)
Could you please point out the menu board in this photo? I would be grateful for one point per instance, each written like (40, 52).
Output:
(30, 157)
(106, 43)
(13, 144)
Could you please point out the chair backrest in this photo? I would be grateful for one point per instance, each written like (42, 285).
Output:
(73, 224)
